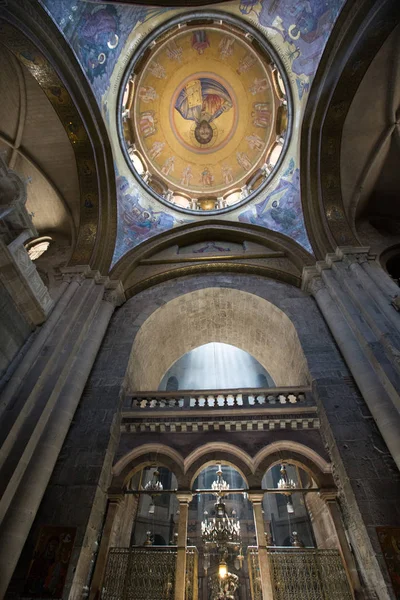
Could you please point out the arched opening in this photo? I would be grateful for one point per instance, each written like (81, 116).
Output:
(216, 366)
(234, 518)
(222, 315)
(286, 515)
(211, 507)
(156, 514)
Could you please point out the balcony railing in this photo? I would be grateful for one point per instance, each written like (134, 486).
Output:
(275, 398)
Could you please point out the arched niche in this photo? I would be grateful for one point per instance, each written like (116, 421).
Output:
(217, 315)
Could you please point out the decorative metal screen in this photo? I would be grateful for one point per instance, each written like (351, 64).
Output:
(308, 575)
(191, 573)
(254, 573)
(140, 573)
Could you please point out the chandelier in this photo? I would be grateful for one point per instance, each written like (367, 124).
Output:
(154, 485)
(222, 531)
(286, 484)
(219, 485)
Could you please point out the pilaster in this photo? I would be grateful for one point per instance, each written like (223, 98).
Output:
(42, 398)
(361, 320)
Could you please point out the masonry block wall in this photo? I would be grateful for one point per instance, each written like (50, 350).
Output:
(365, 475)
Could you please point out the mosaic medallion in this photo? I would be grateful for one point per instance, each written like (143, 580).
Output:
(204, 116)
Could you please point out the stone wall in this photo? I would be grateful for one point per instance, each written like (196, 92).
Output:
(369, 485)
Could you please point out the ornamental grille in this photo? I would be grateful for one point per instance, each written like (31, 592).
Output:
(254, 573)
(140, 574)
(308, 575)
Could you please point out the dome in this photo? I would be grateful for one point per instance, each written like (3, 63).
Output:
(204, 115)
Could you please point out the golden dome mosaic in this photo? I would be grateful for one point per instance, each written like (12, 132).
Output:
(204, 116)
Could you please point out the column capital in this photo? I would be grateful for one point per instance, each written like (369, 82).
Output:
(77, 273)
(328, 495)
(114, 292)
(115, 497)
(255, 497)
(311, 281)
(184, 497)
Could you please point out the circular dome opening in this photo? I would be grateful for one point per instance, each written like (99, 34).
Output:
(204, 113)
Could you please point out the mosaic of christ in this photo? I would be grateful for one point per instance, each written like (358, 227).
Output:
(203, 100)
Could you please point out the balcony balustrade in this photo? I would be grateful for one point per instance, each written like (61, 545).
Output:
(274, 398)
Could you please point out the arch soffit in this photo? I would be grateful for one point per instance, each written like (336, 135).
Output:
(251, 469)
(236, 317)
(208, 230)
(32, 37)
(335, 84)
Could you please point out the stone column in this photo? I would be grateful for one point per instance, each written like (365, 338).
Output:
(184, 499)
(357, 345)
(49, 396)
(265, 572)
(330, 499)
(113, 506)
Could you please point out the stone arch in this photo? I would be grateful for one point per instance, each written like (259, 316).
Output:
(338, 77)
(214, 452)
(142, 456)
(223, 315)
(283, 260)
(34, 40)
(294, 452)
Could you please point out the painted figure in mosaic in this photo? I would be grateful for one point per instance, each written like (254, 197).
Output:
(203, 100)
(200, 41)
(261, 115)
(148, 123)
(168, 166)
(243, 161)
(255, 142)
(157, 70)
(246, 6)
(259, 85)
(246, 63)
(147, 93)
(174, 52)
(186, 176)
(156, 149)
(227, 174)
(207, 178)
(99, 33)
(226, 47)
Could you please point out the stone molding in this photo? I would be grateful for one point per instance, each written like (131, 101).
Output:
(232, 424)
(114, 292)
(348, 255)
